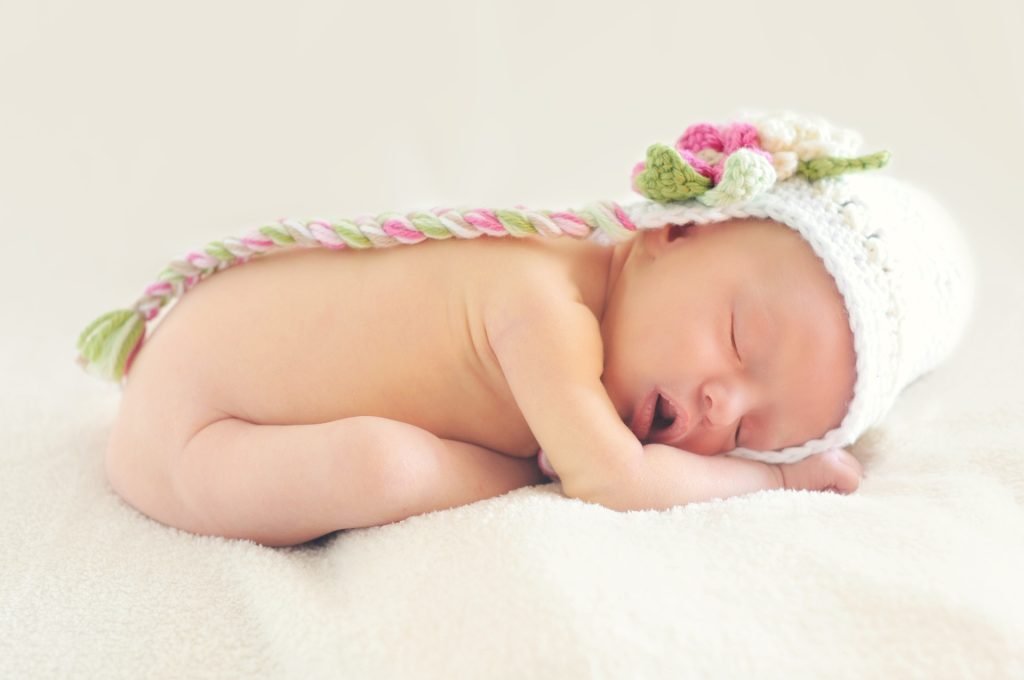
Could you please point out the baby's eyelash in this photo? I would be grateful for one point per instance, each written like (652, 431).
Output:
(739, 424)
(732, 335)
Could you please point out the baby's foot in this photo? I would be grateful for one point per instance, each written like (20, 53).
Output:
(835, 470)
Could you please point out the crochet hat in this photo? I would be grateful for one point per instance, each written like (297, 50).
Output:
(902, 266)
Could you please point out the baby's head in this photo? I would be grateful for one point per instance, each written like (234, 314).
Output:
(790, 306)
(739, 326)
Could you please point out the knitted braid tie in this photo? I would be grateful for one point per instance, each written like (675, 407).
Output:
(107, 346)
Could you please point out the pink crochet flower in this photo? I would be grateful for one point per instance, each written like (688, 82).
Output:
(714, 145)
(722, 141)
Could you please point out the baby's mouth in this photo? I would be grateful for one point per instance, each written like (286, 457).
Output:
(658, 420)
(664, 414)
(668, 425)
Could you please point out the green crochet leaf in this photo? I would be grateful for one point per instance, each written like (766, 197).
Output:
(817, 168)
(745, 175)
(668, 177)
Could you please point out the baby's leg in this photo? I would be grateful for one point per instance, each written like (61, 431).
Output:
(287, 484)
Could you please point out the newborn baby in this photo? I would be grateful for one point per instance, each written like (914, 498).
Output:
(314, 390)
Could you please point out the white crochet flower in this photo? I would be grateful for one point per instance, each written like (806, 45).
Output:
(792, 137)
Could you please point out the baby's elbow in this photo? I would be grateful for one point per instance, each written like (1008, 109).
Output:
(613, 499)
(574, 487)
(610, 489)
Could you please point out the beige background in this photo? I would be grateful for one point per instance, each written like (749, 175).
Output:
(156, 127)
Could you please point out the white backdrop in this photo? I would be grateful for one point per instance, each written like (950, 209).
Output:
(133, 131)
(155, 127)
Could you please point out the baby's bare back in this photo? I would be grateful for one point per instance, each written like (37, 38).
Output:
(313, 336)
(316, 390)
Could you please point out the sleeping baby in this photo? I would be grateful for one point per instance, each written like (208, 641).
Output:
(758, 310)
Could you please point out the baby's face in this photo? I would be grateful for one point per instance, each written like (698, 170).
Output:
(740, 325)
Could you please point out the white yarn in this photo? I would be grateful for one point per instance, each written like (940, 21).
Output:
(903, 268)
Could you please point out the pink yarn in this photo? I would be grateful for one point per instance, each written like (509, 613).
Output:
(201, 260)
(700, 136)
(700, 165)
(570, 223)
(399, 230)
(726, 139)
(740, 136)
(624, 218)
(325, 235)
(158, 288)
(257, 243)
(486, 221)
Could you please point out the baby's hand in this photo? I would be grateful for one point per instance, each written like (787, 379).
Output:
(834, 470)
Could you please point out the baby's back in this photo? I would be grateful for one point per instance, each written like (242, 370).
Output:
(313, 335)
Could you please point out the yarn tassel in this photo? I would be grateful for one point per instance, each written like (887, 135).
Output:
(106, 344)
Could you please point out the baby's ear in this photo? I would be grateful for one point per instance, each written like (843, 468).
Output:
(655, 241)
(678, 231)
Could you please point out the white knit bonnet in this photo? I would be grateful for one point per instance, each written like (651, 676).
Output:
(902, 266)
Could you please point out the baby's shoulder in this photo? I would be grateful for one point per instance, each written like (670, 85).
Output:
(526, 281)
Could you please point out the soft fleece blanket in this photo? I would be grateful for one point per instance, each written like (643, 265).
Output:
(916, 575)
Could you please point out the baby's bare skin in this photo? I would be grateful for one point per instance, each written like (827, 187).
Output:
(315, 337)
(316, 390)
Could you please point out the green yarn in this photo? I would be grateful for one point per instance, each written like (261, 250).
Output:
(350, 234)
(218, 250)
(429, 224)
(515, 223)
(433, 228)
(746, 174)
(106, 343)
(598, 216)
(277, 235)
(830, 166)
(668, 177)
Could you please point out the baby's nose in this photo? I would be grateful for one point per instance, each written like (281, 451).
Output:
(721, 405)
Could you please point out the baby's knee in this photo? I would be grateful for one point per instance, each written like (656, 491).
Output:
(393, 458)
(137, 471)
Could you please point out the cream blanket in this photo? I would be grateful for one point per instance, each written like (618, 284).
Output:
(916, 575)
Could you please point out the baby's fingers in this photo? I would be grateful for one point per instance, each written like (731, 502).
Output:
(834, 470)
(845, 470)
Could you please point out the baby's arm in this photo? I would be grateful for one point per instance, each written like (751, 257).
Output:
(551, 356)
(672, 476)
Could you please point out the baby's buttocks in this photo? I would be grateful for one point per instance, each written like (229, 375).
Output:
(312, 336)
